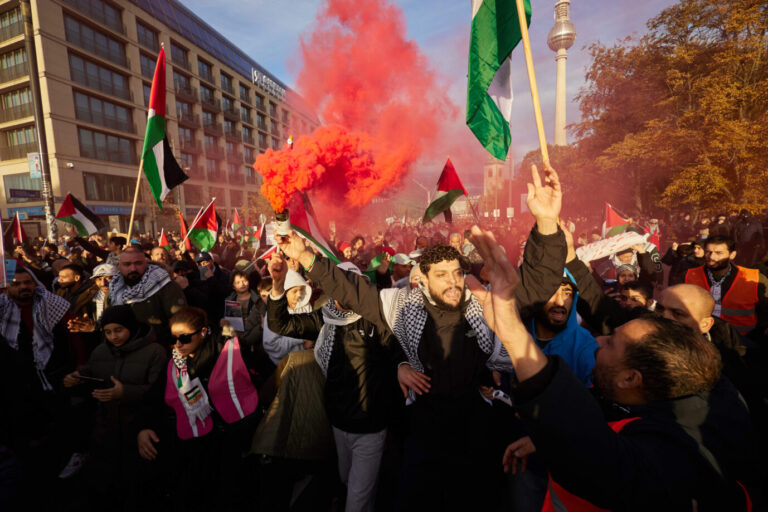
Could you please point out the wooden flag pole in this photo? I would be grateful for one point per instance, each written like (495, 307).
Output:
(472, 207)
(532, 80)
(135, 200)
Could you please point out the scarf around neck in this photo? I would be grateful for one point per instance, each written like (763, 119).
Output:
(191, 392)
(150, 283)
(47, 310)
(332, 317)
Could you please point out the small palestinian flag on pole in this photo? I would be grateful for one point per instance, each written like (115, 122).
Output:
(303, 220)
(164, 243)
(76, 213)
(160, 167)
(183, 232)
(203, 230)
(614, 223)
(236, 222)
(449, 188)
(15, 233)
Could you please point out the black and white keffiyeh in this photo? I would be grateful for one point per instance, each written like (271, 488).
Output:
(151, 282)
(47, 310)
(332, 317)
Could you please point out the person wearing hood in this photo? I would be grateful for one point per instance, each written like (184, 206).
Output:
(125, 366)
(297, 296)
(200, 415)
(360, 385)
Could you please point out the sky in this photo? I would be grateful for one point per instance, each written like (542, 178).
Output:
(269, 32)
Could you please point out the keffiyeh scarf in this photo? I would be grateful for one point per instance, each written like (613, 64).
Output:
(332, 317)
(191, 392)
(151, 282)
(47, 310)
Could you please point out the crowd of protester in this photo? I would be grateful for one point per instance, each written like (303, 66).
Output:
(436, 367)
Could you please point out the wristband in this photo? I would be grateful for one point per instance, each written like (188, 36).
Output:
(312, 264)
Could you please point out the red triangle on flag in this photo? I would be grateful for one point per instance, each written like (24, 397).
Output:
(449, 179)
(157, 93)
(183, 232)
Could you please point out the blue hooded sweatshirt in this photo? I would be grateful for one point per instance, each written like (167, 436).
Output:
(574, 344)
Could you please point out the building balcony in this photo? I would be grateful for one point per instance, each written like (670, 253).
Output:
(248, 140)
(92, 10)
(231, 114)
(14, 72)
(190, 145)
(189, 120)
(99, 118)
(234, 156)
(207, 76)
(95, 82)
(12, 30)
(17, 112)
(185, 92)
(213, 129)
(237, 179)
(250, 179)
(233, 136)
(115, 57)
(249, 158)
(246, 118)
(216, 176)
(244, 97)
(149, 43)
(211, 103)
(228, 88)
(196, 173)
(215, 152)
(260, 107)
(20, 151)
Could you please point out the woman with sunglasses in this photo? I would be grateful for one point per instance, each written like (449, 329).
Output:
(207, 385)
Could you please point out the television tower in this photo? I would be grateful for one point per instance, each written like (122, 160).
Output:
(559, 39)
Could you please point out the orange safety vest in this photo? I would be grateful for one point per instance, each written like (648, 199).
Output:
(560, 500)
(738, 303)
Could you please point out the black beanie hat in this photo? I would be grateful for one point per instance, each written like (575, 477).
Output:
(122, 315)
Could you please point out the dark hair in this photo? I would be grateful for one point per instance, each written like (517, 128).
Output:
(52, 247)
(194, 317)
(118, 240)
(684, 250)
(674, 360)
(75, 268)
(265, 284)
(357, 237)
(436, 254)
(639, 286)
(236, 273)
(720, 239)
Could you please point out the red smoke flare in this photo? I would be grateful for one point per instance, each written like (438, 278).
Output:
(383, 106)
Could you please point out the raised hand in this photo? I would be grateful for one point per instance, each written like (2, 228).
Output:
(545, 199)
(278, 268)
(292, 245)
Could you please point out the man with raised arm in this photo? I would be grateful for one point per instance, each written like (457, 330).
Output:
(446, 351)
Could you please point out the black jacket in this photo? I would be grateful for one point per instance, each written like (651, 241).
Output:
(691, 448)
(361, 381)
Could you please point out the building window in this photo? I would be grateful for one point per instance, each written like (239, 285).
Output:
(23, 182)
(245, 114)
(226, 83)
(9, 18)
(210, 166)
(230, 147)
(235, 197)
(229, 127)
(226, 104)
(286, 117)
(101, 11)
(179, 55)
(275, 143)
(108, 187)
(104, 113)
(193, 194)
(94, 76)
(21, 136)
(273, 126)
(248, 155)
(147, 89)
(209, 118)
(262, 140)
(260, 102)
(147, 66)
(205, 70)
(13, 58)
(94, 41)
(106, 147)
(185, 134)
(206, 94)
(180, 81)
(183, 109)
(147, 36)
(245, 93)
(186, 160)
(272, 109)
(16, 98)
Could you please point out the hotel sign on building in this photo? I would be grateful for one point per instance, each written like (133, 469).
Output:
(266, 84)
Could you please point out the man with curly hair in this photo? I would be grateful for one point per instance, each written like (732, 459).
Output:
(445, 352)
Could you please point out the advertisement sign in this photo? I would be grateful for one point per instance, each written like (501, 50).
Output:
(35, 170)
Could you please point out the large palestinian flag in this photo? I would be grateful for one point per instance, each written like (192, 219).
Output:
(74, 212)
(449, 188)
(160, 167)
(614, 223)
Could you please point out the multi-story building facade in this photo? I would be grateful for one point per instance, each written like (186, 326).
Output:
(95, 62)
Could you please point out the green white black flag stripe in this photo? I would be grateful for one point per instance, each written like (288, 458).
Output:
(495, 33)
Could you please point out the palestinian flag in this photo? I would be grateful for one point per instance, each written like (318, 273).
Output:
(202, 231)
(164, 243)
(376, 262)
(15, 232)
(160, 167)
(236, 222)
(495, 33)
(449, 188)
(614, 223)
(303, 220)
(183, 232)
(74, 212)
(268, 253)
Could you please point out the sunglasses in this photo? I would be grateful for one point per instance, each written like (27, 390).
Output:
(186, 339)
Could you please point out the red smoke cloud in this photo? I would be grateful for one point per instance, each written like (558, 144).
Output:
(382, 105)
